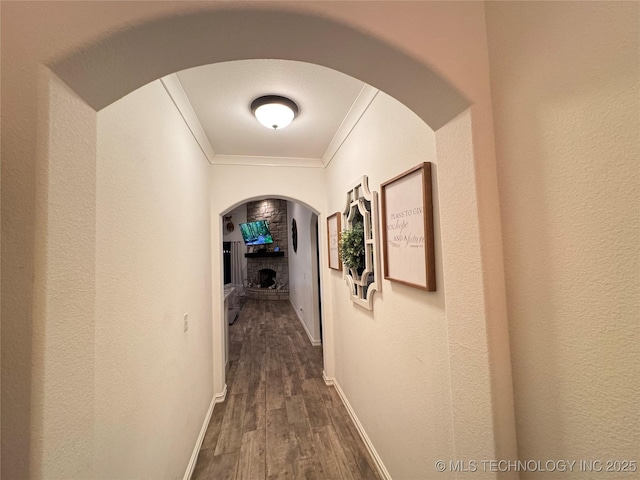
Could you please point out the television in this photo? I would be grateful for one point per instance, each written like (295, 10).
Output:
(256, 233)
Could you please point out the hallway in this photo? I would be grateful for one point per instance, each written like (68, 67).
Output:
(279, 420)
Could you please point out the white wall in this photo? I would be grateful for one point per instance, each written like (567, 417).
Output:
(565, 82)
(302, 276)
(393, 363)
(153, 381)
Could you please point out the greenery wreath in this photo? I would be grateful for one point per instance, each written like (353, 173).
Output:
(352, 247)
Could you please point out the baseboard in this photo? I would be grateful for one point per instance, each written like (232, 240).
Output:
(313, 341)
(194, 455)
(384, 473)
(220, 397)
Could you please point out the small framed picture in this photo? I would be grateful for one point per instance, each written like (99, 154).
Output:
(407, 228)
(333, 235)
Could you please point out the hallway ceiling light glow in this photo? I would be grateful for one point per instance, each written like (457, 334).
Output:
(274, 111)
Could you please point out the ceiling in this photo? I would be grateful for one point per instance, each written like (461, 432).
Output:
(214, 100)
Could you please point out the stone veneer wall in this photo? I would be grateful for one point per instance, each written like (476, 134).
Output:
(275, 212)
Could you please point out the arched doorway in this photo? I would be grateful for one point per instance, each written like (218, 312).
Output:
(111, 67)
(295, 263)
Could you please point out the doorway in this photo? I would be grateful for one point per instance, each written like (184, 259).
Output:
(318, 280)
(226, 261)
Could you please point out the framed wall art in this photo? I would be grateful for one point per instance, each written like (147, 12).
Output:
(407, 228)
(333, 236)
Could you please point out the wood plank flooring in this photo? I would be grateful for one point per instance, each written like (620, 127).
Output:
(279, 420)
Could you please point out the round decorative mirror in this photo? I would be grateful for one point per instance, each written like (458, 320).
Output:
(294, 234)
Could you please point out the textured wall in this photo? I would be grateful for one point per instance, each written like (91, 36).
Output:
(394, 359)
(565, 82)
(62, 403)
(153, 381)
(375, 41)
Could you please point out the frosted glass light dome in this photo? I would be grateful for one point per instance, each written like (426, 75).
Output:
(274, 111)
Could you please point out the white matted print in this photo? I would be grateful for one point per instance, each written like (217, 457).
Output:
(333, 235)
(407, 228)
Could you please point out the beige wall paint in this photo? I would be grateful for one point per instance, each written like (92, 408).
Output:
(64, 288)
(400, 356)
(430, 33)
(393, 362)
(565, 82)
(535, 64)
(404, 345)
(451, 37)
(153, 381)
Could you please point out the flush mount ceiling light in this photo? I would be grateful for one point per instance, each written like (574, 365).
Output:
(274, 111)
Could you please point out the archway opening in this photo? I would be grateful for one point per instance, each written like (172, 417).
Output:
(287, 268)
(148, 51)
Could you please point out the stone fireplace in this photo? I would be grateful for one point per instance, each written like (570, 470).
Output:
(268, 272)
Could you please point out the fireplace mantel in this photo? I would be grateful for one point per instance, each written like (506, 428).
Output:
(264, 254)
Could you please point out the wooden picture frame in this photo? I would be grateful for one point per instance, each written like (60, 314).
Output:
(333, 240)
(407, 228)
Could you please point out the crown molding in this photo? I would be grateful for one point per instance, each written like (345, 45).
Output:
(179, 97)
(264, 161)
(359, 107)
(174, 89)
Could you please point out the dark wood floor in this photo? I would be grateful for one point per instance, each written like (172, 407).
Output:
(280, 420)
